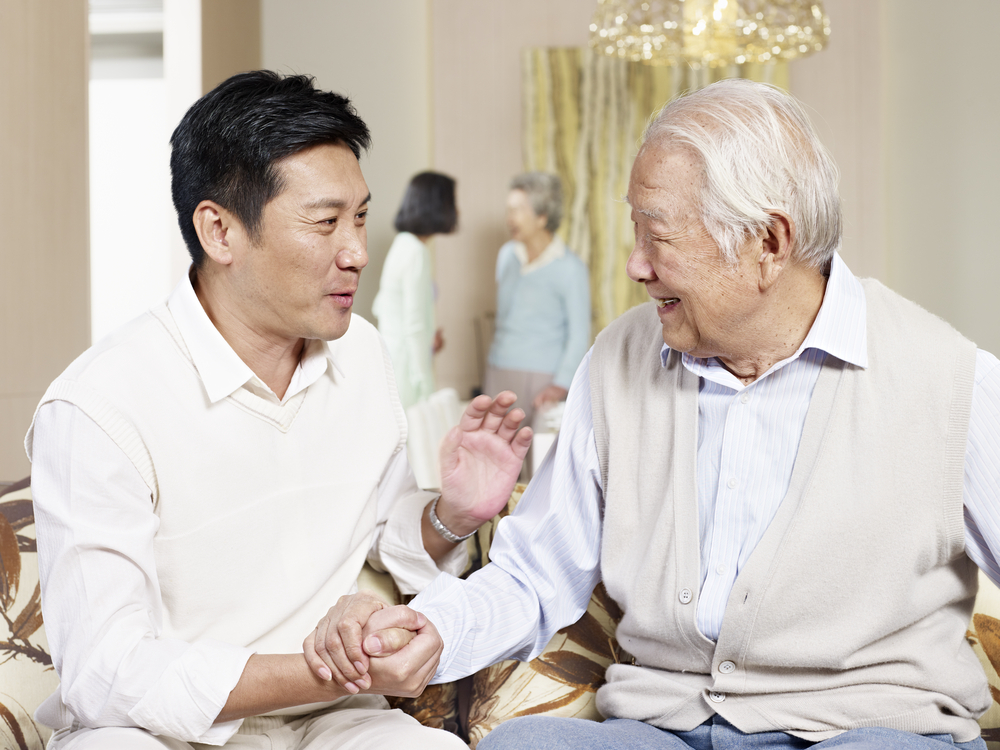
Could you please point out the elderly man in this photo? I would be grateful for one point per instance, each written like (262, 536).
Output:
(785, 476)
(211, 477)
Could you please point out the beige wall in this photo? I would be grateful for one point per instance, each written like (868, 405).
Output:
(232, 28)
(942, 160)
(842, 90)
(44, 306)
(204, 42)
(376, 53)
(476, 48)
(916, 143)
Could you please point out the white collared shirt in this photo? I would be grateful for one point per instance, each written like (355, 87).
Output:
(85, 487)
(553, 251)
(546, 556)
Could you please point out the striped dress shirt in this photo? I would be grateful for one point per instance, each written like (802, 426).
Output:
(546, 556)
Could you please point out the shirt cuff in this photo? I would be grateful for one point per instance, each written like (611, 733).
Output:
(401, 547)
(192, 691)
(446, 605)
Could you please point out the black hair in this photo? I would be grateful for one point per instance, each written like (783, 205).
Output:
(227, 146)
(428, 205)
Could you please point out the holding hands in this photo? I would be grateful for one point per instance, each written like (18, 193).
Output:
(366, 645)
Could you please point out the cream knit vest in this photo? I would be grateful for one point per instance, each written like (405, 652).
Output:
(852, 610)
(266, 511)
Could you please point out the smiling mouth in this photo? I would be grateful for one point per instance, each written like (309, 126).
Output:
(666, 302)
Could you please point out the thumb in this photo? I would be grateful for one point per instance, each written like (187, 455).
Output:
(449, 449)
(388, 641)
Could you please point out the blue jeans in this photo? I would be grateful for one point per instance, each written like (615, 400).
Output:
(549, 733)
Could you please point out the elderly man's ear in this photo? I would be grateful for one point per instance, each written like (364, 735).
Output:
(776, 249)
(216, 229)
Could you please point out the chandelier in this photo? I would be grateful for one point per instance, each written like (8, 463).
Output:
(709, 32)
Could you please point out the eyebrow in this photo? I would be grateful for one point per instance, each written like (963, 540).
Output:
(652, 213)
(333, 203)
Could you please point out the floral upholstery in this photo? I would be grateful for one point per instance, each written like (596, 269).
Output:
(561, 681)
(26, 673)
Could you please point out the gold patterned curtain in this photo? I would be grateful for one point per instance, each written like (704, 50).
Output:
(584, 113)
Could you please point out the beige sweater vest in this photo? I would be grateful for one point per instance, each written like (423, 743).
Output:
(852, 610)
(266, 512)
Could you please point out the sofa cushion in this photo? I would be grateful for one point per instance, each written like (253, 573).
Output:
(984, 635)
(26, 673)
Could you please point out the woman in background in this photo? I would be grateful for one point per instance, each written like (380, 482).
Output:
(404, 304)
(543, 300)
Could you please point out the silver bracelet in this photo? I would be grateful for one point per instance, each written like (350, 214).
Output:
(443, 530)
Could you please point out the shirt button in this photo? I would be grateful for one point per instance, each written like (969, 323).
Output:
(744, 397)
(717, 697)
(721, 570)
(727, 667)
(685, 596)
(732, 483)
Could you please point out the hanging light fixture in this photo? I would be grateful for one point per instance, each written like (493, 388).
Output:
(709, 32)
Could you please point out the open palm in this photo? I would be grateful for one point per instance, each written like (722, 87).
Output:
(480, 461)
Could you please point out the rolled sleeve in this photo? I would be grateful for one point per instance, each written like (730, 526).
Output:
(185, 700)
(101, 597)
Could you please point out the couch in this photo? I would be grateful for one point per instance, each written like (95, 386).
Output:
(562, 681)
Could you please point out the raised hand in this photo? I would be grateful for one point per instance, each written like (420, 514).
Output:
(480, 461)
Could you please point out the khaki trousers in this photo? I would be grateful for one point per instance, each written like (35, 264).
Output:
(368, 723)
(526, 385)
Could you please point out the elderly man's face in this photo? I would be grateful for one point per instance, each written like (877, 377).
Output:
(299, 280)
(703, 302)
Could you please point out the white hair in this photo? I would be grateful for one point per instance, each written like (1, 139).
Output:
(759, 152)
(544, 191)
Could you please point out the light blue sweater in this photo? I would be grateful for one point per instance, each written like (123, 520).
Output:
(543, 312)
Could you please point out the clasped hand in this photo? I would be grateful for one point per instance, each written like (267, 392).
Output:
(366, 645)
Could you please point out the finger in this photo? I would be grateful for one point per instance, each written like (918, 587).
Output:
(320, 662)
(399, 616)
(344, 645)
(473, 415)
(498, 410)
(326, 644)
(316, 664)
(338, 639)
(408, 672)
(511, 422)
(521, 442)
(388, 641)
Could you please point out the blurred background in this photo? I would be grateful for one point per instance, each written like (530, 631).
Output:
(904, 94)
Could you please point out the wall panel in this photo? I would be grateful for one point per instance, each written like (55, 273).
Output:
(44, 307)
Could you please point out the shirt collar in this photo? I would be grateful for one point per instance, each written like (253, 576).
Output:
(554, 251)
(840, 328)
(220, 368)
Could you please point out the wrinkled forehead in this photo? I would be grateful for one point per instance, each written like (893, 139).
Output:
(666, 181)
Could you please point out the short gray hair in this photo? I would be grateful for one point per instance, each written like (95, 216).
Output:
(759, 152)
(544, 191)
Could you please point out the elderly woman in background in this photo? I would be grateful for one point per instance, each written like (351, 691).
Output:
(404, 304)
(543, 300)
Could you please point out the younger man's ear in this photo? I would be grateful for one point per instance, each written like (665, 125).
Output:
(216, 228)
